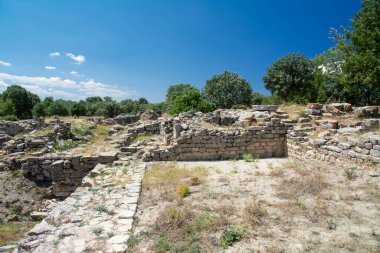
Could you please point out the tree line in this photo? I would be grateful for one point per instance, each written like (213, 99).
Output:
(347, 72)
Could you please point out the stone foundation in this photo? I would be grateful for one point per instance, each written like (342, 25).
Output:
(65, 173)
(268, 139)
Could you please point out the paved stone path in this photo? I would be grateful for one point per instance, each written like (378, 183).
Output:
(98, 216)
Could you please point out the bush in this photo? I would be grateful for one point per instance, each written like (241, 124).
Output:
(10, 118)
(183, 191)
(232, 235)
(228, 89)
(190, 100)
(248, 157)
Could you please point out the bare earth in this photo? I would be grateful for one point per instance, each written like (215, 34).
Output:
(278, 205)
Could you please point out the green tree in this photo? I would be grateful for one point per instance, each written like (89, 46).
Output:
(58, 107)
(190, 100)
(361, 67)
(7, 108)
(175, 91)
(228, 89)
(79, 109)
(291, 78)
(22, 100)
(257, 98)
(39, 110)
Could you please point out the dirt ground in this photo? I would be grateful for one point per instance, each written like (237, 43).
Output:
(269, 205)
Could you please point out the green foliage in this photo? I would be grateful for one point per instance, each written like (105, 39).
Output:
(228, 89)
(39, 110)
(190, 100)
(272, 100)
(7, 108)
(183, 191)
(22, 100)
(361, 67)
(79, 109)
(291, 78)
(248, 157)
(98, 231)
(82, 131)
(257, 98)
(58, 107)
(232, 235)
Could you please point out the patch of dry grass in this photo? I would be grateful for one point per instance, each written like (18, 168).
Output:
(294, 187)
(293, 110)
(170, 175)
(254, 213)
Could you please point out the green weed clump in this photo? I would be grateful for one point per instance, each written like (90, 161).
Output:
(183, 191)
(249, 157)
(232, 235)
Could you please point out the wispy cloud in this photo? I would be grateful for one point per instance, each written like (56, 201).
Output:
(54, 54)
(50, 67)
(40, 80)
(6, 64)
(79, 59)
(74, 73)
(64, 88)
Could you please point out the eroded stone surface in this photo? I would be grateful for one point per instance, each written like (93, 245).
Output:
(98, 216)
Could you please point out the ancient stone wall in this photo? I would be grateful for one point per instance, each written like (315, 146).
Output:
(267, 139)
(65, 173)
(366, 150)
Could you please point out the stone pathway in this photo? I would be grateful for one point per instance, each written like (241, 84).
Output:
(97, 217)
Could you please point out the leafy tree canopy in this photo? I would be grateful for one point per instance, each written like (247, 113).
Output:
(291, 78)
(228, 89)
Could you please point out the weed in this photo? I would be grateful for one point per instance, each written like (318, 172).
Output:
(98, 231)
(299, 203)
(248, 157)
(132, 241)
(235, 170)
(255, 213)
(162, 244)
(82, 223)
(194, 181)
(351, 173)
(183, 191)
(102, 209)
(110, 234)
(232, 235)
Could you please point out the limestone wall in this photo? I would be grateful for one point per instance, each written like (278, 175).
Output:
(367, 149)
(267, 139)
(65, 173)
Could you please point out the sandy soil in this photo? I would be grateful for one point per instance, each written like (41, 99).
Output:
(279, 205)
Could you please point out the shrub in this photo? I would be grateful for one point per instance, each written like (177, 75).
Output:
(248, 157)
(232, 235)
(195, 181)
(183, 191)
(98, 231)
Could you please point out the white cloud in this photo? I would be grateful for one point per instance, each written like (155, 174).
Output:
(64, 88)
(79, 59)
(44, 81)
(74, 73)
(50, 67)
(54, 54)
(6, 64)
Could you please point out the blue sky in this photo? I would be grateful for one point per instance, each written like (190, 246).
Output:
(132, 49)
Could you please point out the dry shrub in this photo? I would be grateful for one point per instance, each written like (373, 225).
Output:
(172, 217)
(254, 213)
(194, 181)
(277, 172)
(294, 187)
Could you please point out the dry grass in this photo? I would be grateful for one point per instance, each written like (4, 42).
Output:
(293, 110)
(170, 175)
(255, 213)
(294, 187)
(144, 137)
